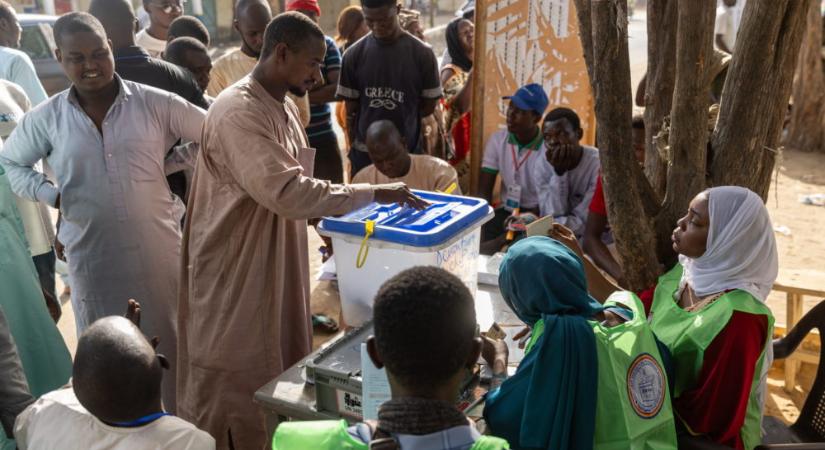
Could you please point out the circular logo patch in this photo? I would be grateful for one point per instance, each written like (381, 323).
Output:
(646, 386)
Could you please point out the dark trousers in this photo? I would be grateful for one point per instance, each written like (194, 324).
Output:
(328, 162)
(358, 160)
(45, 271)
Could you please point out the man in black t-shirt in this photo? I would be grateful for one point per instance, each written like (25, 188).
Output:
(387, 75)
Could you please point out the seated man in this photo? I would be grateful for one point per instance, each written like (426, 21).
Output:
(567, 177)
(192, 55)
(425, 326)
(114, 402)
(391, 162)
(596, 227)
(511, 154)
(188, 26)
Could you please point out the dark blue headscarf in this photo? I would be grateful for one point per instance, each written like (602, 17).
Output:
(550, 403)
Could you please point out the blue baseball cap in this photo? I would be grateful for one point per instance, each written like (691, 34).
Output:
(530, 98)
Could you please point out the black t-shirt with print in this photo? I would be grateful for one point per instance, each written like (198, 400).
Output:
(389, 80)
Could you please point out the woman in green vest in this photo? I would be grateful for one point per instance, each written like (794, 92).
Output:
(592, 376)
(709, 310)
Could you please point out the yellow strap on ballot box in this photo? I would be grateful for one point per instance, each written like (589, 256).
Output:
(361, 258)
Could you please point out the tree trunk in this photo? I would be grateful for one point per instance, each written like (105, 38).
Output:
(755, 96)
(604, 37)
(660, 80)
(806, 131)
(754, 101)
(688, 135)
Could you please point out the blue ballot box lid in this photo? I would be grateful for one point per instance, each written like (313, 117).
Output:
(446, 217)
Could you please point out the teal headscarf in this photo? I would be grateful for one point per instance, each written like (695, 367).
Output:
(550, 403)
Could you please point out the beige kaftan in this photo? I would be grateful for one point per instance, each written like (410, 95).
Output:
(427, 173)
(244, 312)
(235, 65)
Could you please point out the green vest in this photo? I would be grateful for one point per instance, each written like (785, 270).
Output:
(689, 334)
(633, 408)
(333, 435)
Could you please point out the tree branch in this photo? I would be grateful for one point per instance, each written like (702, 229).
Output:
(609, 69)
(806, 130)
(756, 92)
(662, 22)
(688, 135)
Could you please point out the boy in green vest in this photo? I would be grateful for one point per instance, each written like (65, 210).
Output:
(425, 326)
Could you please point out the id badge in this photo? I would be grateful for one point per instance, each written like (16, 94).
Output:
(512, 198)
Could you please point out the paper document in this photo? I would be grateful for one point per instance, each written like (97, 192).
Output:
(327, 271)
(375, 388)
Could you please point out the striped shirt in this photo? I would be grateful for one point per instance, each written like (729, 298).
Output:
(320, 122)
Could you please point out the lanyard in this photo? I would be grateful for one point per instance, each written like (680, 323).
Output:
(516, 162)
(143, 420)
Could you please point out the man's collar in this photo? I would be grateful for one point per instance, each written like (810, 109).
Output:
(123, 93)
(535, 144)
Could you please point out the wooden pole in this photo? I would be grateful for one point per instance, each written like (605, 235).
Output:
(477, 106)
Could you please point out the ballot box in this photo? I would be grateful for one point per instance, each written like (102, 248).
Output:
(378, 241)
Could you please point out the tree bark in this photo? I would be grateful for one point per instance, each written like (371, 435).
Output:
(689, 117)
(755, 96)
(660, 80)
(605, 38)
(806, 131)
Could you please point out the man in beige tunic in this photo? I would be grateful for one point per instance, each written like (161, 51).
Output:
(244, 312)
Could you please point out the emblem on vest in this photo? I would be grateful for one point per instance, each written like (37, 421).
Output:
(646, 386)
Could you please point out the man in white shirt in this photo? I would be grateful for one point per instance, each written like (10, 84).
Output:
(728, 19)
(161, 15)
(567, 175)
(16, 66)
(114, 402)
(107, 141)
(510, 154)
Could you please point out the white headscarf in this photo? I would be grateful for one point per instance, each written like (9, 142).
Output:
(741, 249)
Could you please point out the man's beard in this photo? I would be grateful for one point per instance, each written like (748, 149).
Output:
(297, 91)
(255, 53)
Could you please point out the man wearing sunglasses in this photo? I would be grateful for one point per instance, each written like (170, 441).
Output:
(161, 14)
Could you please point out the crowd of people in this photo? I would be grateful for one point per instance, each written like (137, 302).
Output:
(184, 188)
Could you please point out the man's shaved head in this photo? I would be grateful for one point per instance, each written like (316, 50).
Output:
(117, 18)
(383, 131)
(250, 6)
(116, 374)
(251, 19)
(387, 149)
